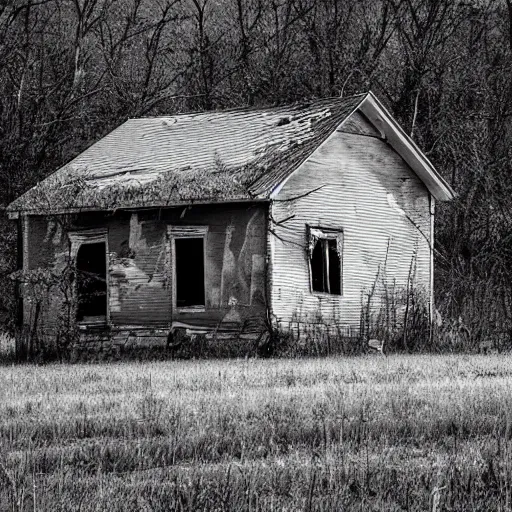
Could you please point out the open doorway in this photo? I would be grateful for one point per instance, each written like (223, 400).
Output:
(189, 272)
(91, 283)
(188, 249)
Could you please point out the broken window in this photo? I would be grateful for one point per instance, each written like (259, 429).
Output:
(325, 260)
(91, 282)
(189, 261)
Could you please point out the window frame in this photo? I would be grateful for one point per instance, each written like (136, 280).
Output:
(183, 232)
(91, 236)
(314, 234)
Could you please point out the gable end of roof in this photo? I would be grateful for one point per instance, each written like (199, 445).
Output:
(403, 144)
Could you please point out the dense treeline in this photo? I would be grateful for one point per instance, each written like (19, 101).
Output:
(71, 70)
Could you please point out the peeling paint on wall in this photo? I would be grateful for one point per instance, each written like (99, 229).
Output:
(137, 279)
(126, 277)
(228, 267)
(246, 259)
(136, 241)
(243, 270)
(258, 279)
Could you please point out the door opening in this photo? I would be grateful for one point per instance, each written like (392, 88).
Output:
(91, 267)
(189, 272)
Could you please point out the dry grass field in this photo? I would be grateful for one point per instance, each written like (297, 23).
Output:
(366, 433)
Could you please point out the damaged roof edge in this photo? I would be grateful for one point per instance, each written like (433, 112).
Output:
(15, 214)
(403, 144)
(274, 193)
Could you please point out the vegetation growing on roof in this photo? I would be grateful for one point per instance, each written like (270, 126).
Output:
(75, 191)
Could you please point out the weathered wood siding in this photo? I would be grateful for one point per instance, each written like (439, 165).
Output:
(140, 279)
(369, 193)
(139, 273)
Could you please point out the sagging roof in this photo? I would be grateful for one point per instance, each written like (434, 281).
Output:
(215, 156)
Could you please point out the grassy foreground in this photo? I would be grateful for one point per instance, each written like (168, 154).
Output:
(368, 433)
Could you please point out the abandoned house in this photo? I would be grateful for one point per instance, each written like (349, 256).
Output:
(219, 221)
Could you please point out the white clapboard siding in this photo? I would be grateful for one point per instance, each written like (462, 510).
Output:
(370, 193)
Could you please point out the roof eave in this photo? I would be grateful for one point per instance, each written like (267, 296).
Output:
(375, 111)
(14, 214)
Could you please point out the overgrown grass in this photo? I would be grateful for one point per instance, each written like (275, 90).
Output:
(366, 433)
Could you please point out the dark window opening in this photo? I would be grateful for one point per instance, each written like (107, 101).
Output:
(189, 272)
(91, 266)
(326, 267)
